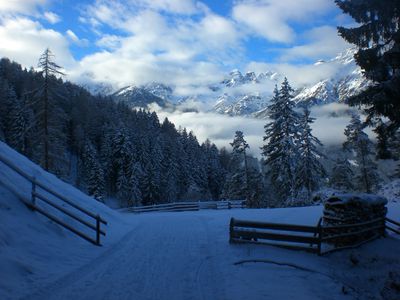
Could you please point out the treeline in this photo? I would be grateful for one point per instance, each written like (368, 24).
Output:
(108, 149)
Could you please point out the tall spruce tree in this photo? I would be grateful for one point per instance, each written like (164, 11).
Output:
(310, 171)
(239, 146)
(93, 172)
(359, 144)
(378, 41)
(281, 137)
(342, 175)
(49, 70)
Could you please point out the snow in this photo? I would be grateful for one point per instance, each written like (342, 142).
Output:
(363, 198)
(391, 191)
(182, 255)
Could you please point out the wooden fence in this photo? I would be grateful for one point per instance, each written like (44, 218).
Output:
(187, 206)
(40, 191)
(308, 238)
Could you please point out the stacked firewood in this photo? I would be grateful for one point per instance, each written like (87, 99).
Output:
(364, 212)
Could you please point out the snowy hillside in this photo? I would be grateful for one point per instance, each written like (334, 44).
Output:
(34, 250)
(173, 255)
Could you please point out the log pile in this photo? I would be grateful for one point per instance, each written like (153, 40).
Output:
(366, 212)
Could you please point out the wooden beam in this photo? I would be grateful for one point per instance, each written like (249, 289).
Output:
(277, 226)
(67, 212)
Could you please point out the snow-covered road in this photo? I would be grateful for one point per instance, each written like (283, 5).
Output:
(187, 256)
(159, 259)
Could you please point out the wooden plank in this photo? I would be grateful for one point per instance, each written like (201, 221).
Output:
(67, 212)
(351, 233)
(392, 229)
(65, 225)
(263, 225)
(274, 236)
(286, 246)
(74, 205)
(392, 221)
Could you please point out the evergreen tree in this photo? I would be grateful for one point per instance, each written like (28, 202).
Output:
(239, 146)
(358, 142)
(378, 40)
(49, 69)
(93, 172)
(309, 170)
(282, 135)
(342, 175)
(13, 119)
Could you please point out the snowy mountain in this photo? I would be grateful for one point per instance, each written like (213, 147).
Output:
(141, 97)
(248, 94)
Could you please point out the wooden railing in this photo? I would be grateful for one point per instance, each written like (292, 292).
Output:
(187, 206)
(38, 195)
(390, 223)
(308, 238)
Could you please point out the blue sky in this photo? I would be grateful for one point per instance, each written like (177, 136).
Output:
(179, 42)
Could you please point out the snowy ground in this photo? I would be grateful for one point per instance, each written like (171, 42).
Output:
(174, 255)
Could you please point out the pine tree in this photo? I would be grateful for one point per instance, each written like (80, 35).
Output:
(281, 135)
(310, 171)
(378, 40)
(342, 175)
(239, 146)
(49, 69)
(13, 119)
(93, 172)
(358, 142)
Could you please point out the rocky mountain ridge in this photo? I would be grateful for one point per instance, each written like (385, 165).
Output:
(248, 94)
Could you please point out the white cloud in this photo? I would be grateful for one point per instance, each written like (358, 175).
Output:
(51, 17)
(298, 74)
(28, 7)
(172, 6)
(75, 39)
(271, 18)
(220, 129)
(24, 40)
(109, 41)
(180, 51)
(322, 42)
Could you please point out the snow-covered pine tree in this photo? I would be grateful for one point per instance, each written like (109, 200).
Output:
(14, 121)
(93, 172)
(310, 171)
(134, 195)
(357, 141)
(281, 137)
(239, 146)
(342, 175)
(377, 37)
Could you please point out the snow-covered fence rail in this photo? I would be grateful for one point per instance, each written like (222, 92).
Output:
(390, 223)
(309, 238)
(39, 192)
(298, 237)
(187, 206)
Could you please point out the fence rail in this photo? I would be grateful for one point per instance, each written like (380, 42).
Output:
(308, 238)
(187, 206)
(39, 196)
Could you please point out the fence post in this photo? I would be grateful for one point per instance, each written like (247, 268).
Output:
(97, 230)
(319, 230)
(33, 193)
(231, 230)
(229, 204)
